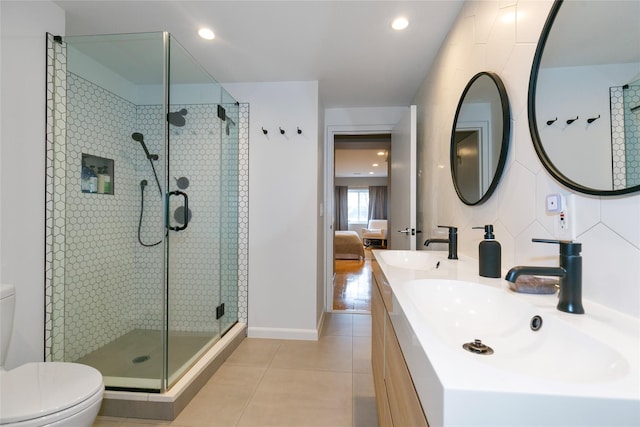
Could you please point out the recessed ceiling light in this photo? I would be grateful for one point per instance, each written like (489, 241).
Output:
(400, 23)
(206, 34)
(370, 173)
(381, 153)
(375, 165)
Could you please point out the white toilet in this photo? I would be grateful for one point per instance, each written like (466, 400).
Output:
(46, 393)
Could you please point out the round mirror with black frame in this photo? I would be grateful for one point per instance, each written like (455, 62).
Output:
(480, 138)
(584, 96)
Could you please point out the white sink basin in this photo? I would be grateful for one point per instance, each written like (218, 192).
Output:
(459, 312)
(415, 260)
(576, 370)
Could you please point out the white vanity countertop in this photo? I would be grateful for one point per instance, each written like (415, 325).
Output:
(594, 379)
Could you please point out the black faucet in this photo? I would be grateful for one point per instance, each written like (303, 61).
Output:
(569, 272)
(452, 241)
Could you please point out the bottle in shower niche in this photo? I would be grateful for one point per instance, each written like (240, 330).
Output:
(85, 177)
(93, 180)
(489, 254)
(104, 181)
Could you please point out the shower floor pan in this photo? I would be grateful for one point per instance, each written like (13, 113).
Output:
(167, 405)
(134, 360)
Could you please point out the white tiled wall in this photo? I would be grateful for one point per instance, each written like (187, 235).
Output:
(485, 38)
(100, 253)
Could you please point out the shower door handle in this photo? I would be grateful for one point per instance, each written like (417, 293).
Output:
(186, 211)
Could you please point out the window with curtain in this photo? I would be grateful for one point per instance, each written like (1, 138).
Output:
(342, 207)
(358, 205)
(378, 202)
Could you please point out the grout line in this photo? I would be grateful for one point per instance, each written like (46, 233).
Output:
(255, 389)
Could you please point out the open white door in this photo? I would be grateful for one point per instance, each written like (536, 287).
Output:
(402, 210)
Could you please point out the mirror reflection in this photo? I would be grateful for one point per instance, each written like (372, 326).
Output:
(480, 138)
(584, 100)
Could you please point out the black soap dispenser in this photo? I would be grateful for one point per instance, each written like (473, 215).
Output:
(490, 253)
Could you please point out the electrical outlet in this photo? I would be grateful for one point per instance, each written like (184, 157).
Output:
(564, 221)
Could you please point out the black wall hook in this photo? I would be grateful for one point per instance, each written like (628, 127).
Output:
(281, 130)
(264, 131)
(572, 120)
(550, 122)
(299, 131)
(593, 119)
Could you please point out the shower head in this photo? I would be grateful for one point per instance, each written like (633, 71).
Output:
(138, 137)
(177, 118)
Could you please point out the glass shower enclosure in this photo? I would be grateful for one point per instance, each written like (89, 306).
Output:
(142, 208)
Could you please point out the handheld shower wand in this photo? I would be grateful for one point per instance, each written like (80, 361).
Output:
(138, 137)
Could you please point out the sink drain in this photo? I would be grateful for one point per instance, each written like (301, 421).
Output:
(477, 347)
(536, 323)
(141, 359)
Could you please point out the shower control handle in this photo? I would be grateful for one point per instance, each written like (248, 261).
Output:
(186, 210)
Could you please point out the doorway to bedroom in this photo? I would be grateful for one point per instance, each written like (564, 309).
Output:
(361, 171)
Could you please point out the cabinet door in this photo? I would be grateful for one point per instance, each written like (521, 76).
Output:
(378, 314)
(403, 398)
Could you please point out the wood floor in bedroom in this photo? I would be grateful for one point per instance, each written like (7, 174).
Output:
(352, 284)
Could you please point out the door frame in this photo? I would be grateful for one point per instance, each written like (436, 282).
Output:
(328, 210)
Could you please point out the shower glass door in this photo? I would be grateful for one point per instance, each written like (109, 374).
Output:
(202, 188)
(142, 208)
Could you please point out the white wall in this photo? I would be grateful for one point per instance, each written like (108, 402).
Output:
(283, 208)
(22, 162)
(484, 39)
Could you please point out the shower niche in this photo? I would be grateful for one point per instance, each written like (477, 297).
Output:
(126, 290)
(96, 175)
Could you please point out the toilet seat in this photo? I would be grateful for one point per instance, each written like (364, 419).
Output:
(43, 393)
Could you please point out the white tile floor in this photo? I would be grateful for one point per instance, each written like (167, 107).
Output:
(287, 383)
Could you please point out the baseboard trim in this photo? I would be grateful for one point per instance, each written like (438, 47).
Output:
(283, 333)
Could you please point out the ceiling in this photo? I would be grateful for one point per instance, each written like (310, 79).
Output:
(347, 46)
(358, 163)
(356, 155)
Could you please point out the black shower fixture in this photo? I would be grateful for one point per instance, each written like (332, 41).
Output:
(222, 113)
(177, 118)
(137, 136)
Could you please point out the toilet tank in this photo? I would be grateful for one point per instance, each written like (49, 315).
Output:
(7, 307)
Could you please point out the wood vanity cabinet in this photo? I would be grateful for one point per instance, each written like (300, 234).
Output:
(397, 401)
